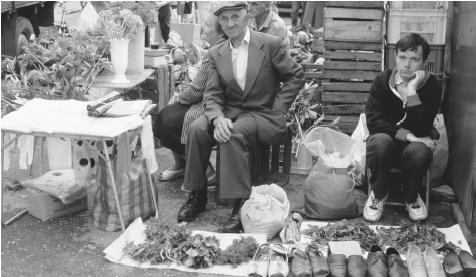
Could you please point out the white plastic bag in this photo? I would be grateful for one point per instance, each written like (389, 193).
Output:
(88, 18)
(333, 147)
(265, 211)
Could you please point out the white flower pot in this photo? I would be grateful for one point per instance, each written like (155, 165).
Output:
(135, 62)
(119, 52)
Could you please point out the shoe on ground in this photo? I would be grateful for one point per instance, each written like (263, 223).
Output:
(395, 265)
(170, 174)
(376, 262)
(233, 224)
(415, 262)
(337, 265)
(318, 261)
(433, 263)
(258, 267)
(373, 208)
(278, 265)
(417, 210)
(452, 265)
(301, 265)
(468, 263)
(356, 266)
(195, 204)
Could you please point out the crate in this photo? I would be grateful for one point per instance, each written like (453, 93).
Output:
(434, 62)
(430, 5)
(429, 23)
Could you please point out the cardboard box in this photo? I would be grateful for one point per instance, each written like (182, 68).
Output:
(188, 31)
(44, 206)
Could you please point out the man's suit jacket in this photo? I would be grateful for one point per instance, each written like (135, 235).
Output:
(268, 64)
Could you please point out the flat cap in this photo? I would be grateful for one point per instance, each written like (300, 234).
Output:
(229, 5)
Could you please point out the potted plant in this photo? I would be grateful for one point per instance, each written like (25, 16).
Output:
(147, 12)
(119, 28)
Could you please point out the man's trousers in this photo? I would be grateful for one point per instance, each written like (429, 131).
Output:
(385, 152)
(235, 175)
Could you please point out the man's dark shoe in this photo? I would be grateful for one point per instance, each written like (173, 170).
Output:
(376, 262)
(452, 266)
(195, 204)
(468, 263)
(301, 265)
(356, 266)
(395, 265)
(337, 265)
(318, 262)
(233, 224)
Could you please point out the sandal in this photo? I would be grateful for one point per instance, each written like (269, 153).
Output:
(258, 267)
(169, 175)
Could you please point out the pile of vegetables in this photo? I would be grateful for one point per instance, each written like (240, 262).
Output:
(165, 243)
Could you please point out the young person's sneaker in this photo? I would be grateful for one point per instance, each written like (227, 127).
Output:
(417, 210)
(373, 208)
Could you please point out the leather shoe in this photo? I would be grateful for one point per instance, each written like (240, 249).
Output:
(301, 265)
(233, 224)
(376, 262)
(468, 262)
(433, 263)
(395, 265)
(415, 262)
(356, 266)
(452, 265)
(337, 265)
(318, 262)
(195, 204)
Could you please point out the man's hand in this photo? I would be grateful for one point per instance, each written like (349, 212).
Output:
(425, 140)
(222, 132)
(419, 76)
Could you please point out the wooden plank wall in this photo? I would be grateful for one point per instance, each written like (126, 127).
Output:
(352, 46)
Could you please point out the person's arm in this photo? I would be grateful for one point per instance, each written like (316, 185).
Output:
(421, 112)
(376, 117)
(214, 98)
(290, 74)
(192, 93)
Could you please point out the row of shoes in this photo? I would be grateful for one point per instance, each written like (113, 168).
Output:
(459, 265)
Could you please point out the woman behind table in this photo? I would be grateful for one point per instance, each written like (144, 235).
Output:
(174, 120)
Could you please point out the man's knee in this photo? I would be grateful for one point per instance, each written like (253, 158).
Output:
(417, 153)
(199, 129)
(380, 143)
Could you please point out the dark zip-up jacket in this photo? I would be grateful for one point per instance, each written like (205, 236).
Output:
(384, 110)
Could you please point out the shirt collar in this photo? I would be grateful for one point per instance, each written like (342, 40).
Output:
(398, 79)
(246, 40)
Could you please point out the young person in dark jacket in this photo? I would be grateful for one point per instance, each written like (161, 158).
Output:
(400, 110)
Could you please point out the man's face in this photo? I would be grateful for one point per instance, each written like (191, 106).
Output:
(257, 8)
(233, 23)
(209, 32)
(408, 62)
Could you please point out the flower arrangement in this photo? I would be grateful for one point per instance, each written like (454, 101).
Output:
(145, 9)
(120, 25)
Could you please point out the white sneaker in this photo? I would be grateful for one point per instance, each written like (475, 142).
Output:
(278, 266)
(417, 210)
(373, 208)
(258, 267)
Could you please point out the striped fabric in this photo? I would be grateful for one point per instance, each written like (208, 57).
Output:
(192, 94)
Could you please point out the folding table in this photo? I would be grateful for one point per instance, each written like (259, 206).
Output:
(69, 119)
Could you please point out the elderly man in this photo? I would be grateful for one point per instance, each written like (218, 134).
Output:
(400, 111)
(244, 104)
(264, 20)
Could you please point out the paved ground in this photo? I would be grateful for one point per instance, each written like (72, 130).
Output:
(72, 246)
